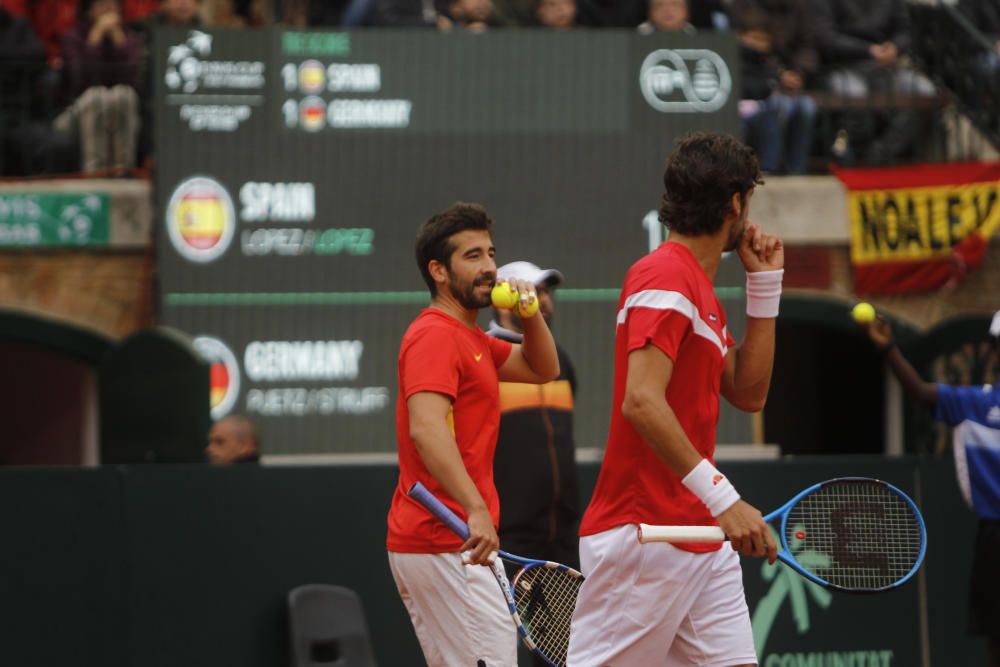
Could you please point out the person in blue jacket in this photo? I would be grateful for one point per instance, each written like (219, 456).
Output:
(974, 412)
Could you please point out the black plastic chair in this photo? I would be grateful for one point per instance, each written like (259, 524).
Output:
(328, 628)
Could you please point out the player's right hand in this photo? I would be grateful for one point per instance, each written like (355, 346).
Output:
(747, 531)
(760, 251)
(483, 541)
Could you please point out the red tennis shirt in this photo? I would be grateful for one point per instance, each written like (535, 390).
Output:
(440, 354)
(667, 300)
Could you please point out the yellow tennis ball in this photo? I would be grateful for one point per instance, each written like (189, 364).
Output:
(863, 313)
(525, 309)
(503, 296)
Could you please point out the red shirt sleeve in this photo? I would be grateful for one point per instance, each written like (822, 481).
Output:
(666, 329)
(500, 350)
(430, 362)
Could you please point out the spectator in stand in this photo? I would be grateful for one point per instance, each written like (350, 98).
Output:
(778, 54)
(51, 20)
(101, 72)
(236, 13)
(556, 14)
(22, 60)
(667, 16)
(171, 13)
(224, 14)
(864, 43)
(472, 15)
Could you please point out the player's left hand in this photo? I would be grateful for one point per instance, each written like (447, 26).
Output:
(525, 289)
(759, 251)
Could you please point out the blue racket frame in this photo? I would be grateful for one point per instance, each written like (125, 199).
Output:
(785, 553)
(444, 514)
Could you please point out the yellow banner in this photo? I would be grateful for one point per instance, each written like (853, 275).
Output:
(907, 224)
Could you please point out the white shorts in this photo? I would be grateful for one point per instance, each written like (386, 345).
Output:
(457, 610)
(652, 605)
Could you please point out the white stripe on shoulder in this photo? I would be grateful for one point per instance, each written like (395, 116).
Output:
(656, 299)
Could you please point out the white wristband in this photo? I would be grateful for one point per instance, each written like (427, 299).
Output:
(764, 293)
(711, 487)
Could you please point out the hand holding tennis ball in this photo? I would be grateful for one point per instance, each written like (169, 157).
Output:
(518, 296)
(527, 305)
(503, 296)
(863, 313)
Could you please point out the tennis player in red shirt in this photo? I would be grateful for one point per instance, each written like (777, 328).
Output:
(660, 604)
(447, 419)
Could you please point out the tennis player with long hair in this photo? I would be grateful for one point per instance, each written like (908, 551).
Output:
(447, 420)
(664, 604)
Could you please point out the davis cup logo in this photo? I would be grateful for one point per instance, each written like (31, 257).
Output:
(224, 374)
(201, 219)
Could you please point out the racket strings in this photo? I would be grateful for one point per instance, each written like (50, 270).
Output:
(545, 597)
(855, 534)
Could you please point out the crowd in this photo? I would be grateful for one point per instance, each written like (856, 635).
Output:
(74, 73)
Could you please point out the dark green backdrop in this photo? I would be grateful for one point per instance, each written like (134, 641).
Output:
(161, 566)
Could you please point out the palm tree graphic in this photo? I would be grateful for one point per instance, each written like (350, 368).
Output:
(787, 584)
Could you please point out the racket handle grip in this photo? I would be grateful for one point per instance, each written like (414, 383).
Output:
(420, 493)
(677, 534)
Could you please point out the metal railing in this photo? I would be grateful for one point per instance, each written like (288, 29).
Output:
(962, 61)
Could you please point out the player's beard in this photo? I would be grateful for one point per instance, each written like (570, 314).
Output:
(736, 234)
(465, 293)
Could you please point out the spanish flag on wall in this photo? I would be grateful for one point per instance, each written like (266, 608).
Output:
(919, 227)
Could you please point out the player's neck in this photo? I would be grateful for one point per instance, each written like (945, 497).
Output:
(448, 304)
(707, 250)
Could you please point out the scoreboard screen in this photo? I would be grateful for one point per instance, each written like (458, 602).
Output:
(293, 169)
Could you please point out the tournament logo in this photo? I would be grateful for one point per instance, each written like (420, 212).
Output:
(312, 76)
(201, 219)
(224, 374)
(184, 68)
(312, 114)
(685, 80)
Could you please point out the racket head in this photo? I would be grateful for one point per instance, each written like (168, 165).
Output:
(545, 597)
(852, 534)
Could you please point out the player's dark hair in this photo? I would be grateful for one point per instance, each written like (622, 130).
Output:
(703, 173)
(434, 236)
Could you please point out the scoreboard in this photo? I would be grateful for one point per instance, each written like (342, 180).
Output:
(293, 169)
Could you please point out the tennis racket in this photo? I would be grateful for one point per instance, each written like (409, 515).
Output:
(851, 534)
(544, 593)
